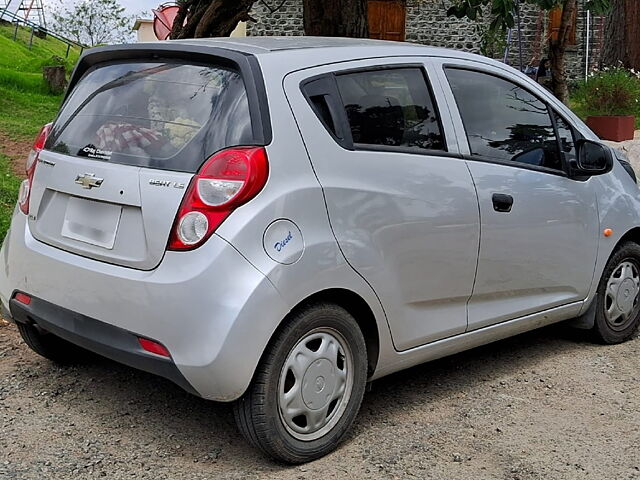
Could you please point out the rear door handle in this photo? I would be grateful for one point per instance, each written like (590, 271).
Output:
(502, 202)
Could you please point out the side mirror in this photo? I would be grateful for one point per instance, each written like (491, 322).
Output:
(593, 159)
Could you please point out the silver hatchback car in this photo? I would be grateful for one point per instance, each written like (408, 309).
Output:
(275, 222)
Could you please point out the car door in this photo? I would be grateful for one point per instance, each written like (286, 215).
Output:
(539, 228)
(400, 199)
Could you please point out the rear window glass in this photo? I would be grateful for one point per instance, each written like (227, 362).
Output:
(391, 107)
(161, 115)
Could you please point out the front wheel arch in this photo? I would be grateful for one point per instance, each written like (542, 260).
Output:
(632, 235)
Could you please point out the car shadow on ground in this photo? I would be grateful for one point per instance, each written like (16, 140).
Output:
(152, 413)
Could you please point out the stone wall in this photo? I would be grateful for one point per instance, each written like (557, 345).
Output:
(427, 23)
(286, 20)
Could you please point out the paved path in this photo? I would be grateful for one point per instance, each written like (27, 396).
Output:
(632, 149)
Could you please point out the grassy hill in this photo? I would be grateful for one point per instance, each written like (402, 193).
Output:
(25, 103)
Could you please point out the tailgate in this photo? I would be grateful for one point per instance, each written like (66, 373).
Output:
(130, 136)
(119, 214)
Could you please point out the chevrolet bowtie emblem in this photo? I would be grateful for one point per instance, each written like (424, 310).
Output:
(89, 180)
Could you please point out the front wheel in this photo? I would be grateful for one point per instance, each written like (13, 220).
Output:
(618, 296)
(308, 387)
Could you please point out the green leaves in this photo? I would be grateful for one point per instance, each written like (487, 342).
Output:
(600, 7)
(611, 91)
(502, 11)
(93, 22)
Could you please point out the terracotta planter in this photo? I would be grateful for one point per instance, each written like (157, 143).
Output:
(614, 128)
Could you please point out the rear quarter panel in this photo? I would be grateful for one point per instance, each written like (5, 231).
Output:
(293, 192)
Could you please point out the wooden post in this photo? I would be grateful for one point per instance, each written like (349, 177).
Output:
(31, 38)
(68, 49)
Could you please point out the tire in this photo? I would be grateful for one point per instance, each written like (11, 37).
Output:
(618, 296)
(318, 353)
(50, 346)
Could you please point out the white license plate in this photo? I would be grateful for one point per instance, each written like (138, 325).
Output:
(91, 222)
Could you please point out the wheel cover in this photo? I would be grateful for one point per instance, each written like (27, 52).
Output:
(621, 295)
(315, 384)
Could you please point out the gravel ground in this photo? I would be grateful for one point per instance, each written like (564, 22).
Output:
(544, 405)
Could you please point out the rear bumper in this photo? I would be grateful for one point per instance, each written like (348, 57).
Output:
(212, 309)
(99, 337)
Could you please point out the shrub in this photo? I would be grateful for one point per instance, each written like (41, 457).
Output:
(610, 91)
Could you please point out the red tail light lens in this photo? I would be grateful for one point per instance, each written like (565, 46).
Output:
(32, 161)
(23, 298)
(226, 181)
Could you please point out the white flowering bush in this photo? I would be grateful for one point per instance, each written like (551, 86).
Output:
(610, 91)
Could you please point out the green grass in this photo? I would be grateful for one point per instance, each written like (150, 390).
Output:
(25, 104)
(9, 186)
(23, 113)
(18, 57)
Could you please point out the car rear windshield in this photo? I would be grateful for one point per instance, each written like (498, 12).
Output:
(164, 115)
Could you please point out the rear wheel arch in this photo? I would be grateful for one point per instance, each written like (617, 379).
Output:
(357, 307)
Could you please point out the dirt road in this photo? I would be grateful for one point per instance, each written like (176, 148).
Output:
(544, 405)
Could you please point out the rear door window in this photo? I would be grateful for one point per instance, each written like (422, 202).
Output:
(157, 114)
(391, 107)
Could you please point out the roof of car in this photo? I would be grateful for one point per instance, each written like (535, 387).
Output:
(274, 43)
(295, 52)
(304, 51)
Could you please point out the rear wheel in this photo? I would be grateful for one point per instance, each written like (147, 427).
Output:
(49, 346)
(618, 297)
(308, 387)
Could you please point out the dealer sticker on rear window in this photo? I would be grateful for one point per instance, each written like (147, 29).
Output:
(94, 152)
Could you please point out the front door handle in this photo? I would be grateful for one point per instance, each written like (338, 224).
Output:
(502, 202)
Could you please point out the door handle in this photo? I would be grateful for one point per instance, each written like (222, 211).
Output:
(502, 202)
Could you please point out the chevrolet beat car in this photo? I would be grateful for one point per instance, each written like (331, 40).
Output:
(275, 222)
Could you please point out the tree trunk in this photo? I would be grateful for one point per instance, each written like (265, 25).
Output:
(557, 51)
(55, 77)
(622, 35)
(336, 18)
(209, 18)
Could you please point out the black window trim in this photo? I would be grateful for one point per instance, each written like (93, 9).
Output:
(348, 143)
(336, 109)
(575, 134)
(550, 110)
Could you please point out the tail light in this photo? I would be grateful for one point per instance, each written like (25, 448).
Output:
(32, 161)
(226, 181)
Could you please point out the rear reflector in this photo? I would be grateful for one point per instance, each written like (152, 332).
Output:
(153, 347)
(23, 298)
